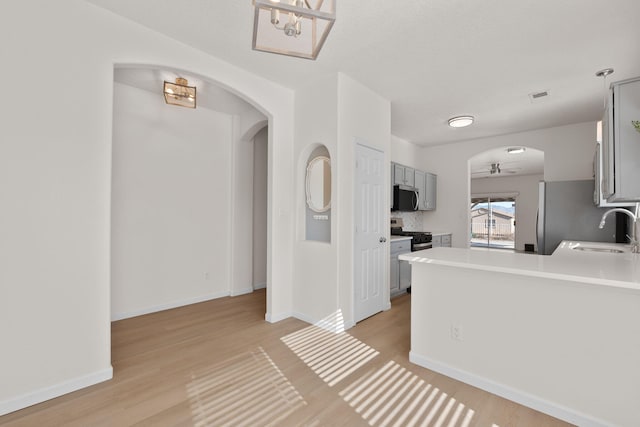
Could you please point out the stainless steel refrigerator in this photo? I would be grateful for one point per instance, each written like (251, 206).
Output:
(566, 212)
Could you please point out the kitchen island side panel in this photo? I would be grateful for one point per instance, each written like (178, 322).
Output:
(561, 347)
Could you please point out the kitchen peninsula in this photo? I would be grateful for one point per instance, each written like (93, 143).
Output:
(557, 333)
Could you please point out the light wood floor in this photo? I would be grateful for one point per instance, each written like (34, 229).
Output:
(220, 363)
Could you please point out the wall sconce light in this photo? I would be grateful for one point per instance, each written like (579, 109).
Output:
(294, 27)
(180, 93)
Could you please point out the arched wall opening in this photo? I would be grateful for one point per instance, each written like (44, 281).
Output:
(253, 276)
(316, 179)
(503, 197)
(182, 196)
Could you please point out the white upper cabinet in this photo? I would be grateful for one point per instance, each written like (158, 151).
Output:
(621, 143)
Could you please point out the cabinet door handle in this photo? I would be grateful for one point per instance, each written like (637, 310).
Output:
(383, 239)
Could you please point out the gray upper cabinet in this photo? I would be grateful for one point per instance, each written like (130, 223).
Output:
(431, 188)
(393, 167)
(621, 144)
(420, 185)
(403, 175)
(425, 182)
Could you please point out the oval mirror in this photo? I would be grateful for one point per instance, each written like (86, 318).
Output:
(319, 184)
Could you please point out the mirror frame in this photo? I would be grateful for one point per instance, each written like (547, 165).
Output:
(310, 166)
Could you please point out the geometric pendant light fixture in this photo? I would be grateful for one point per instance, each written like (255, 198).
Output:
(292, 27)
(180, 93)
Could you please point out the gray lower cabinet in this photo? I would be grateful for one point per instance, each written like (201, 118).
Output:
(405, 275)
(400, 271)
(441, 240)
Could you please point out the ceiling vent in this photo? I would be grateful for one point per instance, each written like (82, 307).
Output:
(538, 96)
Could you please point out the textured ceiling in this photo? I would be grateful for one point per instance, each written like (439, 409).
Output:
(438, 58)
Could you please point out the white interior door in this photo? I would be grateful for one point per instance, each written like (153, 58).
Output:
(370, 238)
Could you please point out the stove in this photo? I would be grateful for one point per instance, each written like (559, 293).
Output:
(420, 239)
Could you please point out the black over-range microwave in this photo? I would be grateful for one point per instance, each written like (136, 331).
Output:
(405, 198)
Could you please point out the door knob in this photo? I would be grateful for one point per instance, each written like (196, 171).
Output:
(383, 239)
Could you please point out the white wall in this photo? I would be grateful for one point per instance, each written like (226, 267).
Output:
(334, 112)
(316, 277)
(366, 116)
(55, 172)
(568, 154)
(526, 189)
(405, 153)
(260, 209)
(170, 189)
(241, 212)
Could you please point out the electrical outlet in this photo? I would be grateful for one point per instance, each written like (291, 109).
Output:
(456, 332)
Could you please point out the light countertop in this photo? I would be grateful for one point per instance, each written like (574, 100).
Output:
(399, 238)
(439, 233)
(601, 268)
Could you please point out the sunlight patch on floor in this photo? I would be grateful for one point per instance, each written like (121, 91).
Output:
(245, 390)
(332, 356)
(394, 396)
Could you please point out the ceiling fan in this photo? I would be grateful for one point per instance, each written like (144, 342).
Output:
(494, 169)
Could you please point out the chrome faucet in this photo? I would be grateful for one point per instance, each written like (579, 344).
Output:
(635, 245)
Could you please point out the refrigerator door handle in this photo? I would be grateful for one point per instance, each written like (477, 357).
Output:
(540, 218)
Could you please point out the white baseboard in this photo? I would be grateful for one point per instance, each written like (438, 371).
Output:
(259, 286)
(329, 326)
(348, 324)
(167, 306)
(550, 408)
(273, 318)
(57, 390)
(243, 291)
(303, 317)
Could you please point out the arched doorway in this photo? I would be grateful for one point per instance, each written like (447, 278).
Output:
(179, 216)
(503, 186)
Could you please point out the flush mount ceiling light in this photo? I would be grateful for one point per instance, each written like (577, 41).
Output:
(604, 73)
(460, 121)
(293, 27)
(180, 93)
(515, 150)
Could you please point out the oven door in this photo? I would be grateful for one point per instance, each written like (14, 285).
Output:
(421, 246)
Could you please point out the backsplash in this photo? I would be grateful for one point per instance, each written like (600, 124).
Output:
(412, 220)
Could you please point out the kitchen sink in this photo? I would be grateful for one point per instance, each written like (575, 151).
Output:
(597, 249)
